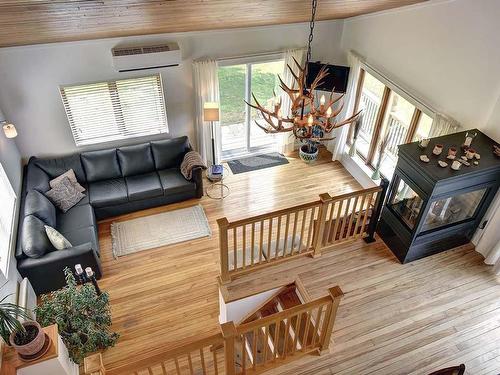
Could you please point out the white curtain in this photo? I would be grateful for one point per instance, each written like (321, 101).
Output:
(443, 125)
(287, 139)
(341, 133)
(487, 240)
(206, 88)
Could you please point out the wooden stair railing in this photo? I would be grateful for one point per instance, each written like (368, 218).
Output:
(250, 348)
(259, 241)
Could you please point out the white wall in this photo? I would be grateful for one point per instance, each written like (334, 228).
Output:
(10, 158)
(446, 52)
(237, 310)
(30, 76)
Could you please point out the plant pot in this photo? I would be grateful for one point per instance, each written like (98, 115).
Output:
(307, 156)
(35, 345)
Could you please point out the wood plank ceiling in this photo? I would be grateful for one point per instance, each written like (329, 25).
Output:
(45, 21)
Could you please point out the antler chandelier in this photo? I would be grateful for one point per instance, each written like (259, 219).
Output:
(307, 120)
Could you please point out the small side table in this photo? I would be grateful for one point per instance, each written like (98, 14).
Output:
(55, 362)
(217, 190)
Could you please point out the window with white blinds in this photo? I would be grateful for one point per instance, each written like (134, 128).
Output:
(109, 111)
(7, 213)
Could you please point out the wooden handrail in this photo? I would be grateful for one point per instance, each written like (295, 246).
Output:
(311, 324)
(305, 229)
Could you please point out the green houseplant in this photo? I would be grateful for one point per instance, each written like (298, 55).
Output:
(83, 317)
(26, 337)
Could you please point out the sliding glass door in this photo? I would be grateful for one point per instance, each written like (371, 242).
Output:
(239, 134)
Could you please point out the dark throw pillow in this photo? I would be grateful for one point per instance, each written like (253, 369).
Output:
(64, 195)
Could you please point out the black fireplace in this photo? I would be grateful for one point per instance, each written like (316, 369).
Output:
(429, 208)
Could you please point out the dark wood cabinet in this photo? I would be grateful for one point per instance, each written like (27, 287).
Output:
(430, 209)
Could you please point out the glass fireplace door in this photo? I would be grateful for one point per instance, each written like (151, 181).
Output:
(405, 203)
(452, 209)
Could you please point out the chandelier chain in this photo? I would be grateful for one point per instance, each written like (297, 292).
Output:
(311, 28)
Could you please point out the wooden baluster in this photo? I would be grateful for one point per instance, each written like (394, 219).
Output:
(344, 218)
(214, 358)
(150, 370)
(357, 226)
(304, 212)
(310, 230)
(294, 231)
(235, 248)
(320, 224)
(277, 247)
(254, 347)
(202, 360)
(337, 222)
(163, 368)
(329, 223)
(266, 342)
(336, 295)
(306, 331)
(316, 325)
(349, 227)
(287, 223)
(229, 334)
(287, 334)
(252, 242)
(269, 238)
(244, 246)
(276, 351)
(367, 211)
(298, 320)
(190, 362)
(261, 240)
(243, 353)
(224, 250)
(177, 368)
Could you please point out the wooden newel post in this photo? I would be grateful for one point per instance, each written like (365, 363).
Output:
(336, 294)
(229, 334)
(319, 230)
(377, 211)
(223, 248)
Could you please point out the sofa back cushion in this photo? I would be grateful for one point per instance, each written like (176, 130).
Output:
(169, 153)
(34, 238)
(101, 165)
(36, 178)
(57, 166)
(136, 159)
(38, 205)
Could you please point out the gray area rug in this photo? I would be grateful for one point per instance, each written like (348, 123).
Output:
(166, 228)
(256, 162)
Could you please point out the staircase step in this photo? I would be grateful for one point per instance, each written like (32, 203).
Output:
(289, 298)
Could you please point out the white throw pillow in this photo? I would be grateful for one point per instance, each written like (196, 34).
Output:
(57, 239)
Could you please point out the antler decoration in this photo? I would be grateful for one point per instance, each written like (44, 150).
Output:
(305, 120)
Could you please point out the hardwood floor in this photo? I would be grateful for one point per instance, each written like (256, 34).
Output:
(394, 319)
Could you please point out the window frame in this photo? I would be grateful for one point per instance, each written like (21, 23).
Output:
(389, 88)
(117, 112)
(4, 266)
(248, 61)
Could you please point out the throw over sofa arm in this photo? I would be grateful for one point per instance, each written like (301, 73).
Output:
(47, 273)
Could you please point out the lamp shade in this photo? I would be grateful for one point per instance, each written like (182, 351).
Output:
(211, 111)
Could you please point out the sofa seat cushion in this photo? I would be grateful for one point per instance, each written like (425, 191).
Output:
(136, 159)
(34, 239)
(108, 192)
(81, 236)
(173, 182)
(77, 217)
(39, 205)
(101, 165)
(143, 186)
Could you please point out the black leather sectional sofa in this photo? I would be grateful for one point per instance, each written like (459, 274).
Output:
(117, 181)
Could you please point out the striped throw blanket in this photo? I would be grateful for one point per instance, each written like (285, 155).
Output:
(191, 160)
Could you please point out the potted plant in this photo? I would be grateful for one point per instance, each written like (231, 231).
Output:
(308, 151)
(26, 337)
(83, 317)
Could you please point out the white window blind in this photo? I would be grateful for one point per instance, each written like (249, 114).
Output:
(7, 211)
(109, 111)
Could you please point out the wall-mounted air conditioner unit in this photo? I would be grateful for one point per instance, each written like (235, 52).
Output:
(126, 59)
